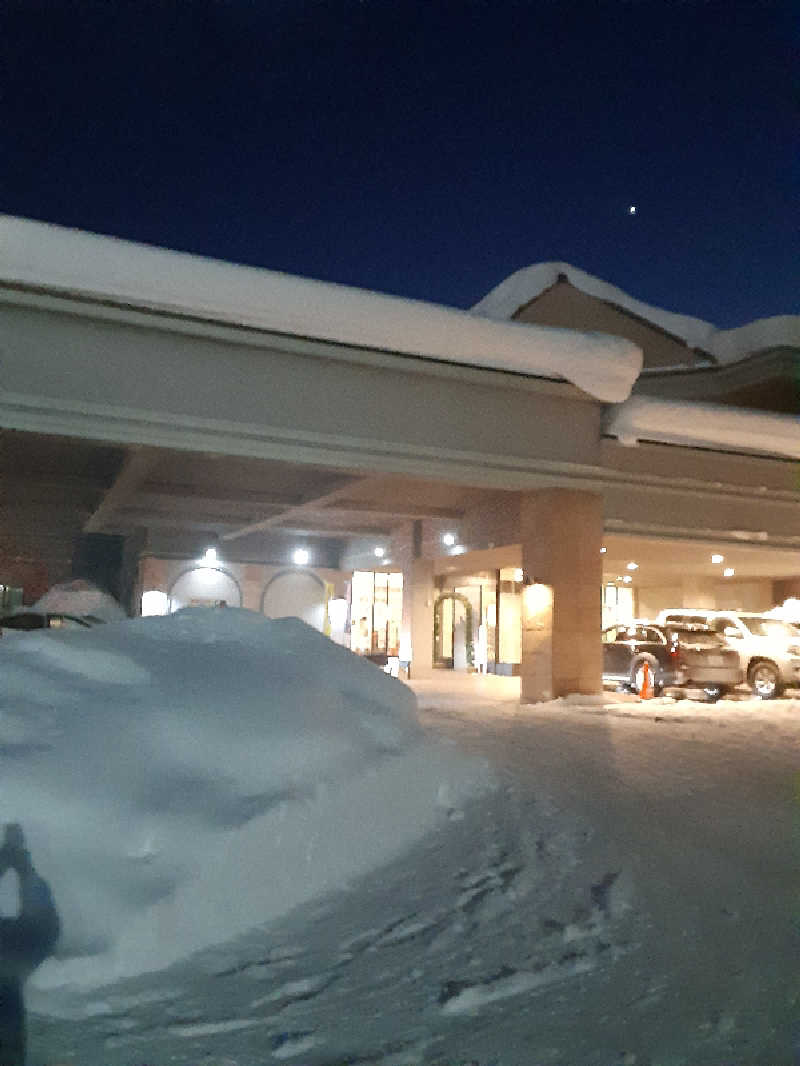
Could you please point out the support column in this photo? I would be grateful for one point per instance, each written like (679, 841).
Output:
(561, 534)
(416, 635)
(421, 597)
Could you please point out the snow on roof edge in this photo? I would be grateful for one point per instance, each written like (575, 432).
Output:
(728, 345)
(74, 261)
(704, 425)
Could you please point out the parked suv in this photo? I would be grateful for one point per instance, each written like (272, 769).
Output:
(679, 656)
(769, 649)
(27, 620)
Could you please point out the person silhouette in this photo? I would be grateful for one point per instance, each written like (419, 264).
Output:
(25, 942)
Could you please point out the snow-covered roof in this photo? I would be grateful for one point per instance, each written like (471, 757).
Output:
(84, 264)
(727, 345)
(704, 425)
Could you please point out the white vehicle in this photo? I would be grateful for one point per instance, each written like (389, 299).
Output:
(769, 649)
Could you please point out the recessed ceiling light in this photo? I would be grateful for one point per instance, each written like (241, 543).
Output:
(717, 558)
(448, 539)
(380, 552)
(459, 549)
(300, 557)
(210, 557)
(603, 551)
(633, 566)
(627, 579)
(728, 571)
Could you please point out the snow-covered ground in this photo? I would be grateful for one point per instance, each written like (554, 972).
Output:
(264, 852)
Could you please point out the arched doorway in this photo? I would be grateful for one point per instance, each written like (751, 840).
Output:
(204, 586)
(296, 593)
(453, 632)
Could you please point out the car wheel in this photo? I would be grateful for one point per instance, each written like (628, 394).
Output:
(764, 679)
(637, 677)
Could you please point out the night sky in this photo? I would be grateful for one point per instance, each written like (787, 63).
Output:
(421, 147)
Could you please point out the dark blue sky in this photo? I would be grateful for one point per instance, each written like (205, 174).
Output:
(421, 147)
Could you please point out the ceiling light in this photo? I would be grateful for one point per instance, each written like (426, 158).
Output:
(627, 579)
(300, 557)
(717, 558)
(459, 549)
(380, 552)
(603, 551)
(728, 571)
(633, 566)
(448, 539)
(210, 557)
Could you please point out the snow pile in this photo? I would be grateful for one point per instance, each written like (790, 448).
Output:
(704, 425)
(182, 779)
(81, 598)
(32, 253)
(727, 345)
(788, 611)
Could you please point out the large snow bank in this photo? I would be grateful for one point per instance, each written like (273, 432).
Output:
(727, 345)
(32, 253)
(80, 597)
(704, 425)
(183, 779)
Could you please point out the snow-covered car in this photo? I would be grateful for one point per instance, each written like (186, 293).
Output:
(769, 649)
(678, 657)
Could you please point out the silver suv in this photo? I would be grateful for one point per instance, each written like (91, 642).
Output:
(769, 649)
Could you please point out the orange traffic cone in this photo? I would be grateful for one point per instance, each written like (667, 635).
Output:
(646, 692)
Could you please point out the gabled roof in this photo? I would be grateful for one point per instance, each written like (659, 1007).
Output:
(727, 346)
(67, 262)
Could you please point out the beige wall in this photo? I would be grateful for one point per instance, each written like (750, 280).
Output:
(252, 578)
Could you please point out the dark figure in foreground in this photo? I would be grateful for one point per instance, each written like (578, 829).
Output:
(25, 942)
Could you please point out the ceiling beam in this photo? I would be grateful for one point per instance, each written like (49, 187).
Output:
(402, 511)
(217, 494)
(309, 505)
(136, 466)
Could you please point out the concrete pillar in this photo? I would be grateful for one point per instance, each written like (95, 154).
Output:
(416, 633)
(561, 534)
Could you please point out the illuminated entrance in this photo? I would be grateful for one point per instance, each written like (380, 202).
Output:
(376, 612)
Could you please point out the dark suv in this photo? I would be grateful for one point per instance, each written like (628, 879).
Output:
(679, 656)
(25, 621)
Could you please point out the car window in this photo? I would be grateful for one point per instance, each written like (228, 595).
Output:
(649, 635)
(686, 619)
(769, 627)
(699, 637)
